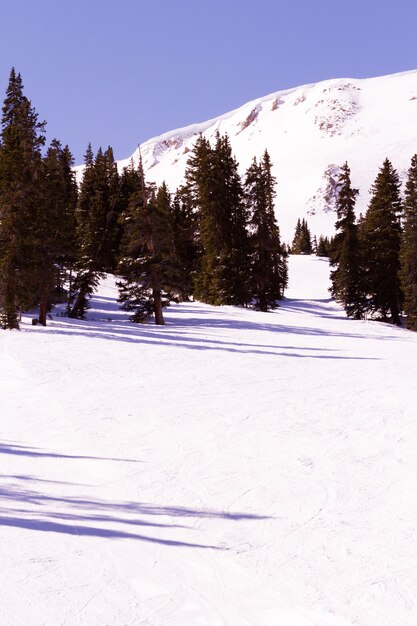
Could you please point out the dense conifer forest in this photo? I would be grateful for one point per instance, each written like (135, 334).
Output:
(216, 239)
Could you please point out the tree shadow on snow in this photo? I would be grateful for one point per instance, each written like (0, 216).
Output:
(186, 326)
(11, 448)
(37, 511)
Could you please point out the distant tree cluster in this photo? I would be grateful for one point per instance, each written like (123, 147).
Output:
(375, 259)
(241, 258)
(215, 239)
(302, 242)
(323, 246)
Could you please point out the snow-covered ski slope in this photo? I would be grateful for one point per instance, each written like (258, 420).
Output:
(309, 131)
(233, 468)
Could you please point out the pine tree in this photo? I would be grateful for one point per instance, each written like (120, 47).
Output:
(409, 247)
(216, 189)
(323, 246)
(148, 268)
(269, 274)
(98, 227)
(302, 243)
(382, 237)
(54, 228)
(20, 162)
(347, 276)
(186, 239)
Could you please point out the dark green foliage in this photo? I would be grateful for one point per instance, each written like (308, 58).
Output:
(409, 247)
(148, 268)
(186, 239)
(54, 227)
(268, 273)
(98, 211)
(382, 236)
(216, 191)
(346, 278)
(302, 243)
(323, 246)
(98, 226)
(20, 165)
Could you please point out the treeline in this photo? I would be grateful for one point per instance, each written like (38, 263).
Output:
(374, 258)
(304, 243)
(216, 239)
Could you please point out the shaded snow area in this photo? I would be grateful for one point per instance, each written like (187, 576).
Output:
(232, 468)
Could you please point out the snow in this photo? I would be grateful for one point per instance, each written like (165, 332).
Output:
(306, 129)
(232, 468)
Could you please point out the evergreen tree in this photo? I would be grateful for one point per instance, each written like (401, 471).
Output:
(409, 247)
(98, 227)
(382, 237)
(148, 268)
(54, 227)
(186, 239)
(302, 243)
(346, 277)
(323, 246)
(216, 189)
(269, 274)
(20, 163)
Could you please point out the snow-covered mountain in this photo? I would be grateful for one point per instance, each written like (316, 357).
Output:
(309, 131)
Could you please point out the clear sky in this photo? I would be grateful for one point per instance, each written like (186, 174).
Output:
(120, 72)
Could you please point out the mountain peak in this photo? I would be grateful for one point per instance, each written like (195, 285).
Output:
(309, 131)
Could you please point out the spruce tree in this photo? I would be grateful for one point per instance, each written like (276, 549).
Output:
(302, 243)
(382, 238)
(268, 275)
(186, 240)
(22, 136)
(216, 189)
(409, 247)
(323, 246)
(98, 228)
(346, 278)
(148, 268)
(54, 227)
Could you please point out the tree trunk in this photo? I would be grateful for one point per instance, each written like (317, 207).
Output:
(10, 318)
(157, 303)
(80, 300)
(395, 314)
(43, 308)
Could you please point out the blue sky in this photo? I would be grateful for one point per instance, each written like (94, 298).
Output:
(121, 72)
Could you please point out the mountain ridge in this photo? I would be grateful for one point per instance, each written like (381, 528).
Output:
(309, 132)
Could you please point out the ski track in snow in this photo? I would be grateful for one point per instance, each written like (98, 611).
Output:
(233, 468)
